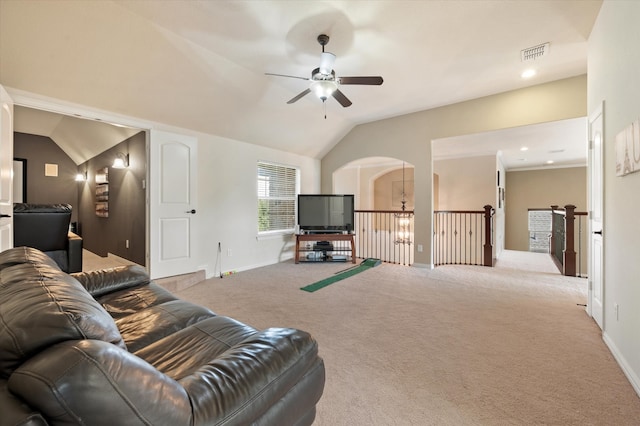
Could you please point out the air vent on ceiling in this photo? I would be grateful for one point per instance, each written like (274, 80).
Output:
(535, 52)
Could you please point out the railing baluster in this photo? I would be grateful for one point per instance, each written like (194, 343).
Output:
(459, 237)
(379, 236)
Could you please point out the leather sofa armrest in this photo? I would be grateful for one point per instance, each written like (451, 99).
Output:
(74, 252)
(15, 412)
(271, 365)
(94, 381)
(105, 281)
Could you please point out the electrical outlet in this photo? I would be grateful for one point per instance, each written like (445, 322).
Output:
(616, 310)
(229, 252)
(126, 243)
(420, 248)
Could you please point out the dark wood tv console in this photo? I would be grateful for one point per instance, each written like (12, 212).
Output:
(300, 238)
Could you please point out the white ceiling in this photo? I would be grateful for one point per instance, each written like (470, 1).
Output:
(555, 144)
(200, 64)
(79, 138)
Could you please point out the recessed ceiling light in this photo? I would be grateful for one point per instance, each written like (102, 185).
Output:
(528, 73)
(549, 161)
(524, 148)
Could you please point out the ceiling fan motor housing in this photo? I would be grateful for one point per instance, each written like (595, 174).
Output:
(323, 39)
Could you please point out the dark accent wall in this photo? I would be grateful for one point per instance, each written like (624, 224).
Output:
(41, 189)
(127, 206)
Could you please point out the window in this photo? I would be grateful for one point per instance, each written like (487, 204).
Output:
(277, 191)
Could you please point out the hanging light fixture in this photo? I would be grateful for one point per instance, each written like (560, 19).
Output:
(403, 219)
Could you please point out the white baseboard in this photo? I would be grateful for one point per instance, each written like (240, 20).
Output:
(423, 265)
(283, 258)
(626, 368)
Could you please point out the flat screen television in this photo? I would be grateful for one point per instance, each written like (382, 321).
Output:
(326, 213)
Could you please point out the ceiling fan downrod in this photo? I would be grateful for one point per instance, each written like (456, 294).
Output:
(323, 39)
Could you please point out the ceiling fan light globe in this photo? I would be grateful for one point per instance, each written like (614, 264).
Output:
(323, 89)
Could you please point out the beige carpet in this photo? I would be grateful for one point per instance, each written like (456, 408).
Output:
(458, 345)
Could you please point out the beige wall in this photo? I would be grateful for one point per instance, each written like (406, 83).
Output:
(382, 189)
(41, 189)
(540, 189)
(408, 137)
(614, 61)
(466, 183)
(347, 181)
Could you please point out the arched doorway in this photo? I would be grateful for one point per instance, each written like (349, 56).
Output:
(384, 200)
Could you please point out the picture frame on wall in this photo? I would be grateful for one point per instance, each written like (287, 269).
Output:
(627, 144)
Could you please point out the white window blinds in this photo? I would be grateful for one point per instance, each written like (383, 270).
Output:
(277, 191)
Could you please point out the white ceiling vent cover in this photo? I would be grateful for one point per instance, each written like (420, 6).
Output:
(535, 52)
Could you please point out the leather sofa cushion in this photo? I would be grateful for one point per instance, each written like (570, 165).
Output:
(61, 257)
(149, 313)
(183, 352)
(42, 306)
(15, 411)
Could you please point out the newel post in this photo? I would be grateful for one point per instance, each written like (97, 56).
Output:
(552, 239)
(488, 247)
(569, 232)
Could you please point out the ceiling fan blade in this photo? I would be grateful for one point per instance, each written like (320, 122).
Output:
(340, 97)
(289, 76)
(300, 95)
(372, 81)
(326, 62)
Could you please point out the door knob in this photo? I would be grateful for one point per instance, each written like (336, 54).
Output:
(5, 215)
(598, 232)
(192, 211)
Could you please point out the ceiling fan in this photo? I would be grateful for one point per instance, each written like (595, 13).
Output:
(323, 81)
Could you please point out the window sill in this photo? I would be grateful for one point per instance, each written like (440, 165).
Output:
(270, 235)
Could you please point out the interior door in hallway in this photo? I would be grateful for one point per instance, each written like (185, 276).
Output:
(595, 306)
(172, 188)
(6, 170)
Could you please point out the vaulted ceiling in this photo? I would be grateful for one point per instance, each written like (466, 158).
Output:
(201, 64)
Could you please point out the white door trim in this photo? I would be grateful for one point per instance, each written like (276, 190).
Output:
(596, 296)
(36, 101)
(6, 170)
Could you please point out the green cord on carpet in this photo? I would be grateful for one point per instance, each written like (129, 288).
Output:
(366, 264)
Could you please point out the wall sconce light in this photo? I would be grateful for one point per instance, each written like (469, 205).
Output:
(121, 161)
(81, 177)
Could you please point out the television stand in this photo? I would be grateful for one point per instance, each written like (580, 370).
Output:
(341, 257)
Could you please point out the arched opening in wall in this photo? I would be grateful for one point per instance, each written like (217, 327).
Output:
(384, 201)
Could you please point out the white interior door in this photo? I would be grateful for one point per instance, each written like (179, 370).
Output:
(6, 170)
(172, 210)
(595, 301)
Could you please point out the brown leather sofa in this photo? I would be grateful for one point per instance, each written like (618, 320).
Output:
(112, 347)
(46, 227)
